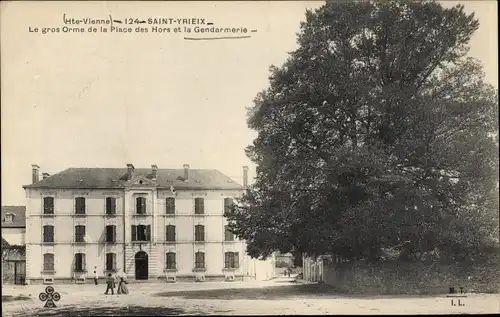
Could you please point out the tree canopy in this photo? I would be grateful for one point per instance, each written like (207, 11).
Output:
(375, 133)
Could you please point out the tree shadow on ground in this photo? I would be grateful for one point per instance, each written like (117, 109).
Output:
(106, 311)
(313, 291)
(9, 298)
(261, 293)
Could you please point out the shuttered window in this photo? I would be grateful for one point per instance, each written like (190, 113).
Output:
(199, 206)
(170, 233)
(110, 234)
(80, 205)
(170, 259)
(80, 264)
(48, 205)
(170, 205)
(199, 233)
(110, 205)
(48, 233)
(48, 262)
(110, 261)
(228, 204)
(141, 233)
(199, 262)
(79, 233)
(141, 205)
(231, 260)
(228, 235)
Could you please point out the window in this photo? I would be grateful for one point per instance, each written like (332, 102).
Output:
(9, 218)
(170, 203)
(170, 232)
(110, 261)
(170, 259)
(48, 233)
(199, 206)
(199, 233)
(199, 262)
(80, 205)
(79, 233)
(48, 205)
(110, 205)
(111, 234)
(141, 205)
(228, 204)
(141, 233)
(228, 235)
(231, 260)
(48, 262)
(79, 262)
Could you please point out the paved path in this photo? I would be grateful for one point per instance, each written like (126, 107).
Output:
(236, 298)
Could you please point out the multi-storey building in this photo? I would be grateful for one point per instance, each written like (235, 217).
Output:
(145, 223)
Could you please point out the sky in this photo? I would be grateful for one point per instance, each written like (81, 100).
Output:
(109, 99)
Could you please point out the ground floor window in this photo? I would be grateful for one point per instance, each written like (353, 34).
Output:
(231, 260)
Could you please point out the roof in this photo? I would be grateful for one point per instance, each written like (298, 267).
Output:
(19, 213)
(115, 178)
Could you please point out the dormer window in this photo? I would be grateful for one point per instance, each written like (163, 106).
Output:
(9, 218)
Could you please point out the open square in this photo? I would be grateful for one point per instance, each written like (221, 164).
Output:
(237, 298)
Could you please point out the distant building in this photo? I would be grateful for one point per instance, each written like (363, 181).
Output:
(284, 260)
(147, 223)
(13, 231)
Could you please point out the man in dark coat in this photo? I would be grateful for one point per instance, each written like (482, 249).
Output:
(110, 284)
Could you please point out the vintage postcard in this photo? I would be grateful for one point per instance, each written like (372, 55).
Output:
(249, 157)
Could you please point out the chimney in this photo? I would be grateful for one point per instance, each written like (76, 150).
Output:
(154, 169)
(130, 171)
(186, 171)
(45, 175)
(35, 177)
(245, 176)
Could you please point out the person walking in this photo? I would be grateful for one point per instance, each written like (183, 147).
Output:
(96, 276)
(122, 288)
(110, 284)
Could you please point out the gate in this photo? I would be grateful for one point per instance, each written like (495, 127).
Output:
(19, 272)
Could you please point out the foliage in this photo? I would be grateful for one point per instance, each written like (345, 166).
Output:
(5, 244)
(374, 134)
(11, 249)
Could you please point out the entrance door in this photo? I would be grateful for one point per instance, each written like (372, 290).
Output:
(19, 272)
(141, 265)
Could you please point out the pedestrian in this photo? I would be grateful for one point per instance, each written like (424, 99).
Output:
(96, 276)
(110, 284)
(122, 288)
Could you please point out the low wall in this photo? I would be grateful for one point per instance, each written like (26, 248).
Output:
(413, 277)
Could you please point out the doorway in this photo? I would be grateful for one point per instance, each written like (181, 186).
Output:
(19, 272)
(141, 265)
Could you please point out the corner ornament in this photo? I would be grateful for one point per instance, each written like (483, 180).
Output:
(50, 297)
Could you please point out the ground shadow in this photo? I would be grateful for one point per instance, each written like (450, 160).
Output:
(9, 298)
(282, 291)
(261, 293)
(106, 311)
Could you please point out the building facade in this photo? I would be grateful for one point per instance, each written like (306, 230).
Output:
(148, 224)
(13, 232)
